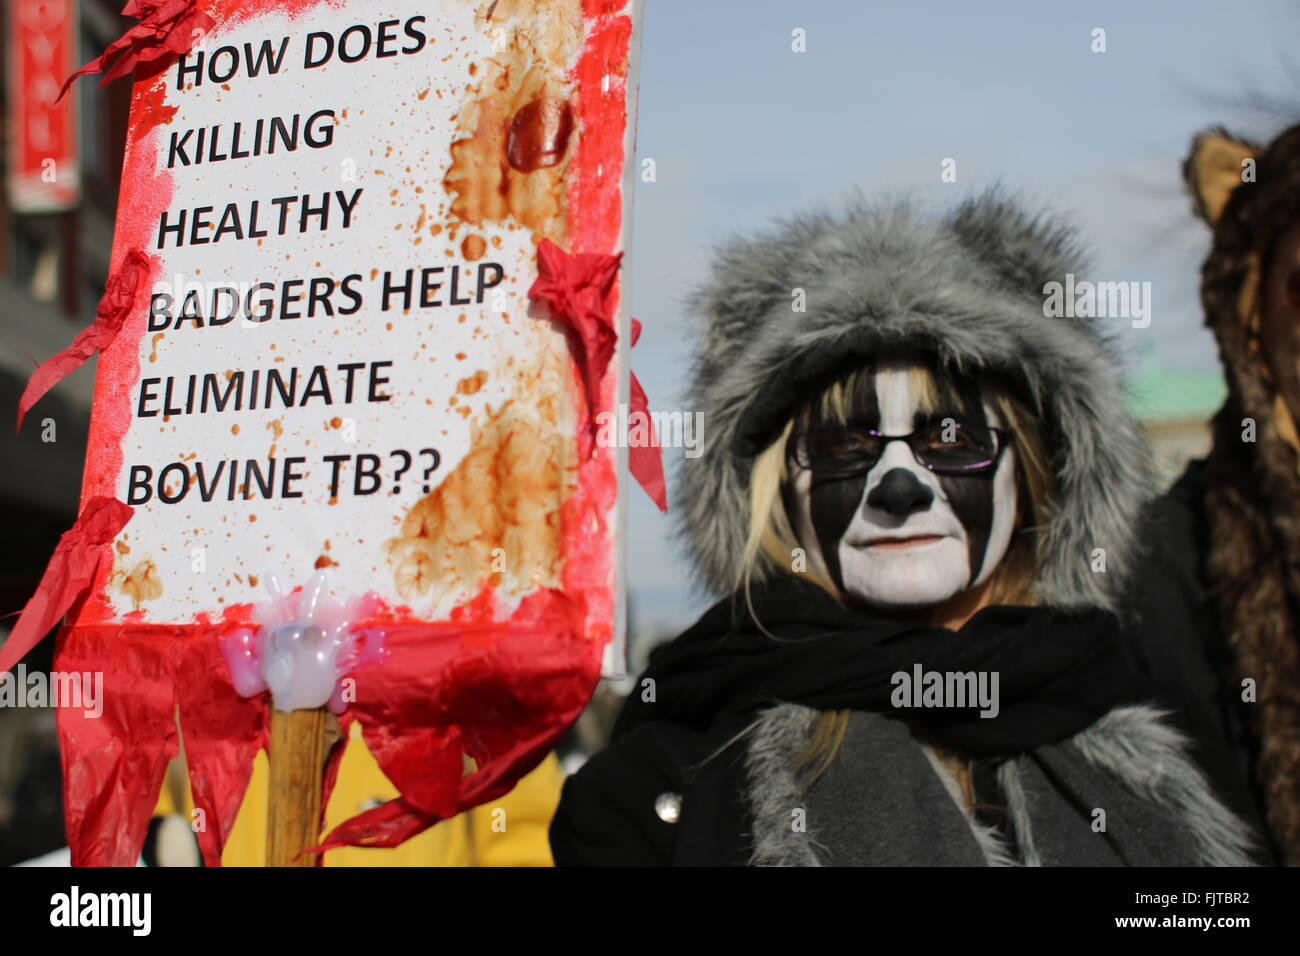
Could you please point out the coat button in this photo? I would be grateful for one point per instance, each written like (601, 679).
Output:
(669, 807)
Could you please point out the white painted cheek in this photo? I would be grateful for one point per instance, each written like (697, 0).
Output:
(1005, 503)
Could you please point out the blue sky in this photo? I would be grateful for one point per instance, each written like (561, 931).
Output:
(743, 129)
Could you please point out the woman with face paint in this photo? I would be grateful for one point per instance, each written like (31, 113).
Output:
(918, 501)
(919, 524)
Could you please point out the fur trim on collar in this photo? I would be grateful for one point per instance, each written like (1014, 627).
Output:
(1150, 758)
(777, 739)
(1134, 744)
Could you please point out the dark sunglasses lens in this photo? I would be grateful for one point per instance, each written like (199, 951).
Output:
(836, 450)
(959, 447)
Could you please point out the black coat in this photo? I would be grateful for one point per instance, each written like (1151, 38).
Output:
(673, 753)
(607, 814)
(1179, 637)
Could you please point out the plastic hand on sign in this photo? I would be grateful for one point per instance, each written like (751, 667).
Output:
(303, 647)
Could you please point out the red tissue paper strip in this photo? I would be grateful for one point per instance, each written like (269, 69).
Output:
(501, 692)
(222, 733)
(114, 307)
(166, 26)
(577, 291)
(113, 763)
(114, 760)
(71, 569)
(646, 461)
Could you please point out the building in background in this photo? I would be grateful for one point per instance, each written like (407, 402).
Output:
(1174, 409)
(53, 266)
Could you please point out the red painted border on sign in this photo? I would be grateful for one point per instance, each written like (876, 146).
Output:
(595, 204)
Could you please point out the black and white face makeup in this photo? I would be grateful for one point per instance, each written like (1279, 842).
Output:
(902, 535)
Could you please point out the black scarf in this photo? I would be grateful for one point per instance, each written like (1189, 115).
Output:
(1058, 672)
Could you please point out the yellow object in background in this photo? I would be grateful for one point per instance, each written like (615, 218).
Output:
(510, 831)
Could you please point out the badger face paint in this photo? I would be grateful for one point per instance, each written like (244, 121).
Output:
(901, 535)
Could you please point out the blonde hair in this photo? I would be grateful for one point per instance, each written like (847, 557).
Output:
(770, 545)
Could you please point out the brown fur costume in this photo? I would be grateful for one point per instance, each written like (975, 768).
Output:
(1253, 501)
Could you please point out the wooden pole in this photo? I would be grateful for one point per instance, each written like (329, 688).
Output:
(299, 746)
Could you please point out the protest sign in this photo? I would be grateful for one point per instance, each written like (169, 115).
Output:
(332, 216)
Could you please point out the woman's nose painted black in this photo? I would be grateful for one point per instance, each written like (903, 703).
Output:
(900, 493)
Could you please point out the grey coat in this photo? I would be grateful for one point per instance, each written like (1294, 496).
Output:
(1122, 793)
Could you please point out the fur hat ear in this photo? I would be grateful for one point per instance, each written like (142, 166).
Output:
(1025, 251)
(1213, 170)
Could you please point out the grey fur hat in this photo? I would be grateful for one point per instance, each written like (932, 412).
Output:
(968, 287)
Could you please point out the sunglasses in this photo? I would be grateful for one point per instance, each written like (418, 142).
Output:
(950, 449)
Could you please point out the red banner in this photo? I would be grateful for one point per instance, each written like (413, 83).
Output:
(43, 173)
